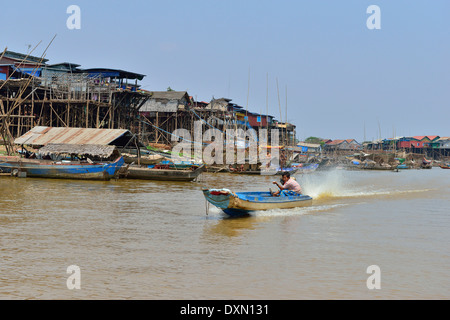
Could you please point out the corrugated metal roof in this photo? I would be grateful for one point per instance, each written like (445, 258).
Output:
(41, 136)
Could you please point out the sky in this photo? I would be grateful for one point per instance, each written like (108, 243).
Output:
(315, 63)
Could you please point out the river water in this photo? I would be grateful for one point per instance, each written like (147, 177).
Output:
(156, 240)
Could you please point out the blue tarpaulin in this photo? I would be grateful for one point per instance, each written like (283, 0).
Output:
(31, 71)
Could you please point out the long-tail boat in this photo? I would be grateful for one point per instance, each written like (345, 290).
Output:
(242, 203)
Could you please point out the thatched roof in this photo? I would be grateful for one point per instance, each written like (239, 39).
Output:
(77, 149)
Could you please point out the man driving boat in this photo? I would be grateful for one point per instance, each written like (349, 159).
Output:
(290, 187)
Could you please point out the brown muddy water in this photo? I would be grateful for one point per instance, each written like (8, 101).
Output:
(155, 240)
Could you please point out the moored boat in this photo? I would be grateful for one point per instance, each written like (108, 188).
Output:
(168, 174)
(242, 203)
(36, 168)
(60, 167)
(426, 164)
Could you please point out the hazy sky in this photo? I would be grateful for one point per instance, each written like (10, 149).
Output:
(342, 79)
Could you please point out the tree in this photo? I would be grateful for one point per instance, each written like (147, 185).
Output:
(315, 140)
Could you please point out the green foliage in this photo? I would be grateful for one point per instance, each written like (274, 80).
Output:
(315, 140)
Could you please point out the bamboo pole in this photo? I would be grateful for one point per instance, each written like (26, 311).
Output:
(18, 99)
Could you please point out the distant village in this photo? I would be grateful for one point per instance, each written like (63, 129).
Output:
(36, 93)
(430, 146)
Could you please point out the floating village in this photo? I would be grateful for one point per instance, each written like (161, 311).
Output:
(62, 121)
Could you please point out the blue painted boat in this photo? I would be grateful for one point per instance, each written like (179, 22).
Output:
(36, 168)
(242, 203)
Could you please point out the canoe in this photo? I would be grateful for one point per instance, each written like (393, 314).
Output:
(444, 167)
(146, 173)
(242, 203)
(36, 168)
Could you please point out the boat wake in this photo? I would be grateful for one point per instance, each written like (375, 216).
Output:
(338, 189)
(298, 211)
(324, 196)
(335, 186)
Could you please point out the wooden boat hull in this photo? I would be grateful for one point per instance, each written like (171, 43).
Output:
(238, 204)
(7, 163)
(445, 167)
(35, 168)
(145, 173)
